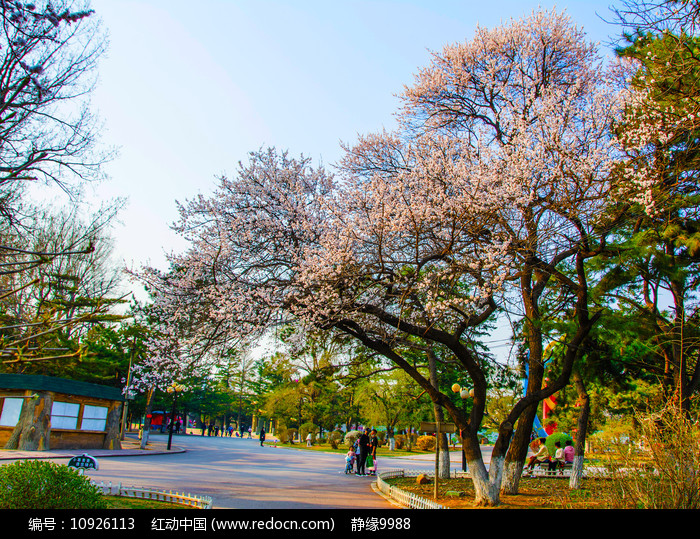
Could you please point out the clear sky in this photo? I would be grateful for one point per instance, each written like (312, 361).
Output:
(188, 88)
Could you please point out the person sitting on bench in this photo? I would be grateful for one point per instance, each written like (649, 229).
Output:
(542, 455)
(558, 459)
(569, 452)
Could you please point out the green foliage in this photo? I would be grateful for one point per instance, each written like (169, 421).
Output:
(615, 434)
(334, 438)
(307, 428)
(560, 437)
(286, 435)
(35, 484)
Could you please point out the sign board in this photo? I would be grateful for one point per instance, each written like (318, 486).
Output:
(431, 426)
(84, 461)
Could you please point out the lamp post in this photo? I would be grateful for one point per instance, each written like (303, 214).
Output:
(465, 394)
(173, 389)
(125, 408)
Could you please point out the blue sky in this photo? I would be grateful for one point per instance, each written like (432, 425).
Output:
(187, 89)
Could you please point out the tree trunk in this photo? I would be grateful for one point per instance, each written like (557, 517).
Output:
(517, 453)
(581, 430)
(33, 430)
(147, 420)
(444, 456)
(112, 436)
(486, 488)
(443, 448)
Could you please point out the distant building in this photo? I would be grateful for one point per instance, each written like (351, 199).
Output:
(39, 413)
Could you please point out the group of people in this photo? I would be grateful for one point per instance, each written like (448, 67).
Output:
(363, 454)
(215, 430)
(562, 455)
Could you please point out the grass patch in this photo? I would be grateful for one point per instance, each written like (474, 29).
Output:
(124, 502)
(342, 449)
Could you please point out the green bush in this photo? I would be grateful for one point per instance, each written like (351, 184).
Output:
(307, 428)
(334, 438)
(35, 484)
(560, 437)
(286, 435)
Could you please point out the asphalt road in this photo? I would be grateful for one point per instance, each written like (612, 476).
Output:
(239, 474)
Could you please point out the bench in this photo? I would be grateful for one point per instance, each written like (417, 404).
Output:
(84, 462)
(542, 470)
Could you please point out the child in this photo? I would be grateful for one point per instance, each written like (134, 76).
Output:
(372, 469)
(349, 461)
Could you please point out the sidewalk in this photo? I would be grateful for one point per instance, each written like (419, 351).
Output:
(130, 447)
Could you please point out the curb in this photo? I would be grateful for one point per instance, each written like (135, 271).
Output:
(130, 448)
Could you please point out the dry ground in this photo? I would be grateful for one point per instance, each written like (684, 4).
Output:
(535, 493)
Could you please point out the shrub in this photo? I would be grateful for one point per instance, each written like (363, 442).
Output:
(286, 435)
(399, 441)
(669, 475)
(351, 436)
(616, 434)
(307, 428)
(35, 484)
(334, 438)
(426, 443)
(560, 437)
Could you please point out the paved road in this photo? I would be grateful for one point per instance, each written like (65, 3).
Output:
(238, 473)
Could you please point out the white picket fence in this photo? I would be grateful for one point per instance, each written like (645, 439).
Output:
(190, 500)
(407, 499)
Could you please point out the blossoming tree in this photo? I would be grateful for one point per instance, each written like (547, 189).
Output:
(489, 190)
(523, 115)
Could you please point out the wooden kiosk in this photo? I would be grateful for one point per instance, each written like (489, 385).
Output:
(39, 413)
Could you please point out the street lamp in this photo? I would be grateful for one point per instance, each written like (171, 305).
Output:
(464, 393)
(173, 389)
